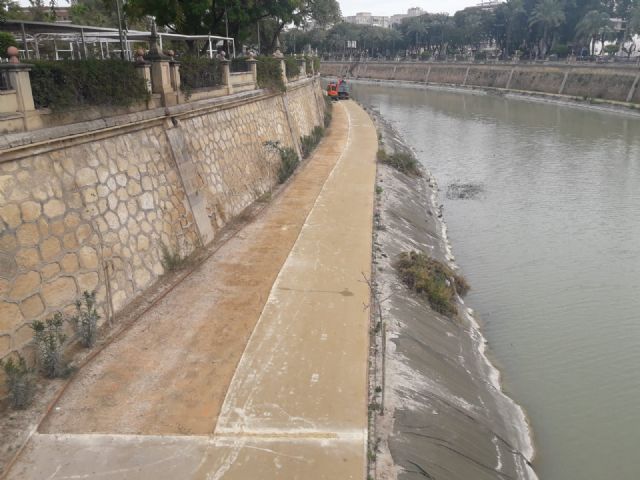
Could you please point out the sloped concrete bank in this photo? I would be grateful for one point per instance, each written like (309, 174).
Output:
(618, 85)
(444, 413)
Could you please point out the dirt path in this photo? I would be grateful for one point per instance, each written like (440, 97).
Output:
(147, 406)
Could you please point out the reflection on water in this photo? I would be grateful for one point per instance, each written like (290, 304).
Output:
(552, 251)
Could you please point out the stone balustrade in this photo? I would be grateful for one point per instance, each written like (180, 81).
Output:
(161, 73)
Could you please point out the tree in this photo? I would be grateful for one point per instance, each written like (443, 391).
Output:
(99, 13)
(594, 25)
(415, 30)
(240, 17)
(511, 27)
(42, 11)
(633, 23)
(6, 40)
(547, 15)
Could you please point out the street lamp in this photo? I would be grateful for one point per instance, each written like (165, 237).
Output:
(120, 34)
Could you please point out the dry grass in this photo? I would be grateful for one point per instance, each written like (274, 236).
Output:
(432, 279)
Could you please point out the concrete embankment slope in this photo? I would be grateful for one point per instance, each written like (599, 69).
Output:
(445, 414)
(283, 302)
(609, 83)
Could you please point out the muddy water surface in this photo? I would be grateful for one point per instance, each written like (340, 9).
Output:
(550, 242)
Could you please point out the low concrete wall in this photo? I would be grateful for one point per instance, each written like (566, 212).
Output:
(620, 84)
(87, 206)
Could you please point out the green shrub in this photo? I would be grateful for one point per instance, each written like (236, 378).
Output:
(316, 64)
(85, 322)
(198, 73)
(289, 164)
(328, 111)
(6, 40)
(292, 67)
(61, 85)
(270, 73)
(611, 49)
(309, 142)
(49, 338)
(308, 64)
(239, 64)
(432, 279)
(289, 160)
(560, 50)
(20, 381)
(171, 261)
(403, 162)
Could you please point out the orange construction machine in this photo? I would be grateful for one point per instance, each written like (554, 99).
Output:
(332, 90)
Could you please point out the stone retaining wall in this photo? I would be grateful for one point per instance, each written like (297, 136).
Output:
(620, 84)
(91, 208)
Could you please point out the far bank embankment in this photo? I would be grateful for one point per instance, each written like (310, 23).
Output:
(606, 83)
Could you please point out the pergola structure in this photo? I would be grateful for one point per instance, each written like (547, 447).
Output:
(81, 36)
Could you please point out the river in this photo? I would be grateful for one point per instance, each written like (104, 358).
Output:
(551, 247)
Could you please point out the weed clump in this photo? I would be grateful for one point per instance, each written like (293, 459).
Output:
(403, 162)
(289, 164)
(48, 337)
(309, 142)
(328, 111)
(432, 279)
(171, 261)
(85, 322)
(20, 381)
(289, 160)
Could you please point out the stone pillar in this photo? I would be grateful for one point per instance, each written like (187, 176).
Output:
(143, 69)
(283, 68)
(161, 80)
(174, 66)
(302, 65)
(160, 71)
(18, 75)
(253, 65)
(226, 75)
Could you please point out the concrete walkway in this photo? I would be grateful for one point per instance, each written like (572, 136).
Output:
(153, 404)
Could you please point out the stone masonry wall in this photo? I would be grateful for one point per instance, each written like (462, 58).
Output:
(89, 210)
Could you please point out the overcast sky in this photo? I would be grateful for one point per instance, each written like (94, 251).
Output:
(390, 7)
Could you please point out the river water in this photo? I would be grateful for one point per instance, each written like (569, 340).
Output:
(551, 247)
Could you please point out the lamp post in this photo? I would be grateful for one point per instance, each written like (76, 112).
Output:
(120, 35)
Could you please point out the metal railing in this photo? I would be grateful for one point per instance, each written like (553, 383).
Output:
(5, 83)
(239, 65)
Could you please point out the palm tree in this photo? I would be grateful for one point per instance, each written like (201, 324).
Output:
(633, 26)
(548, 15)
(593, 25)
(514, 10)
(415, 30)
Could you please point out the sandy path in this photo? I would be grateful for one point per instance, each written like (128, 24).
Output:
(170, 372)
(296, 405)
